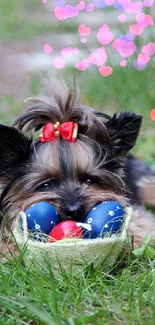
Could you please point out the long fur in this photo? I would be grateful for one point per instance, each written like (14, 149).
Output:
(72, 176)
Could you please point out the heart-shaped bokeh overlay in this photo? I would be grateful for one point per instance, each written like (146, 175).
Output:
(121, 47)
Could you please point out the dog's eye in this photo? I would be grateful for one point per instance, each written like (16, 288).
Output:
(88, 181)
(46, 186)
(92, 180)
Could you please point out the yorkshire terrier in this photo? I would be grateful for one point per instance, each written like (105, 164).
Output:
(80, 158)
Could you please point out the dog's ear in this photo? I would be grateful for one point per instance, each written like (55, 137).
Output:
(14, 147)
(124, 130)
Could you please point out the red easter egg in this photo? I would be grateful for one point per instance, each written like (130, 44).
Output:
(66, 229)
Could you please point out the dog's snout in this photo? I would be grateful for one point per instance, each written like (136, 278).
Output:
(73, 207)
(75, 212)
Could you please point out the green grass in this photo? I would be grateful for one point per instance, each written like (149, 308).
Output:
(124, 295)
(20, 20)
(125, 90)
(15, 23)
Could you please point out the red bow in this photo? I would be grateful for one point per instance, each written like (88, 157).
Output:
(67, 131)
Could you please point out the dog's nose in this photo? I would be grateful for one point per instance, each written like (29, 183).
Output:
(75, 212)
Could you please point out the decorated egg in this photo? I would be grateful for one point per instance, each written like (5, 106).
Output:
(105, 217)
(41, 217)
(66, 229)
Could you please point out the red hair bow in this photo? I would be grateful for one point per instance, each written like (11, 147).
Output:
(67, 131)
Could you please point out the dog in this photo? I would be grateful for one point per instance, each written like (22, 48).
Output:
(80, 158)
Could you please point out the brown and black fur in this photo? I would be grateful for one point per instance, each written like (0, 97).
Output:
(72, 176)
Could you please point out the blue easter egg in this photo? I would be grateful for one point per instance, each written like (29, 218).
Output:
(105, 217)
(41, 217)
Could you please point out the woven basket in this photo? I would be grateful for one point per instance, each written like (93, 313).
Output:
(75, 253)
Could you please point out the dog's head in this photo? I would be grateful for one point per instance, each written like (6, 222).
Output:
(73, 176)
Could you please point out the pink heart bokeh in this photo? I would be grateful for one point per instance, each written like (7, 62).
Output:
(81, 65)
(109, 2)
(90, 7)
(123, 63)
(48, 48)
(144, 20)
(84, 30)
(105, 71)
(99, 57)
(143, 58)
(58, 63)
(148, 3)
(104, 36)
(122, 18)
(149, 48)
(124, 48)
(81, 5)
(84, 40)
(132, 7)
(69, 51)
(124, 2)
(136, 29)
(66, 12)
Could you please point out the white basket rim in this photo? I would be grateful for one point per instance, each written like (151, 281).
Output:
(21, 236)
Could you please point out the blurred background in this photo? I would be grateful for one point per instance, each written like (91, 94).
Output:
(31, 37)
